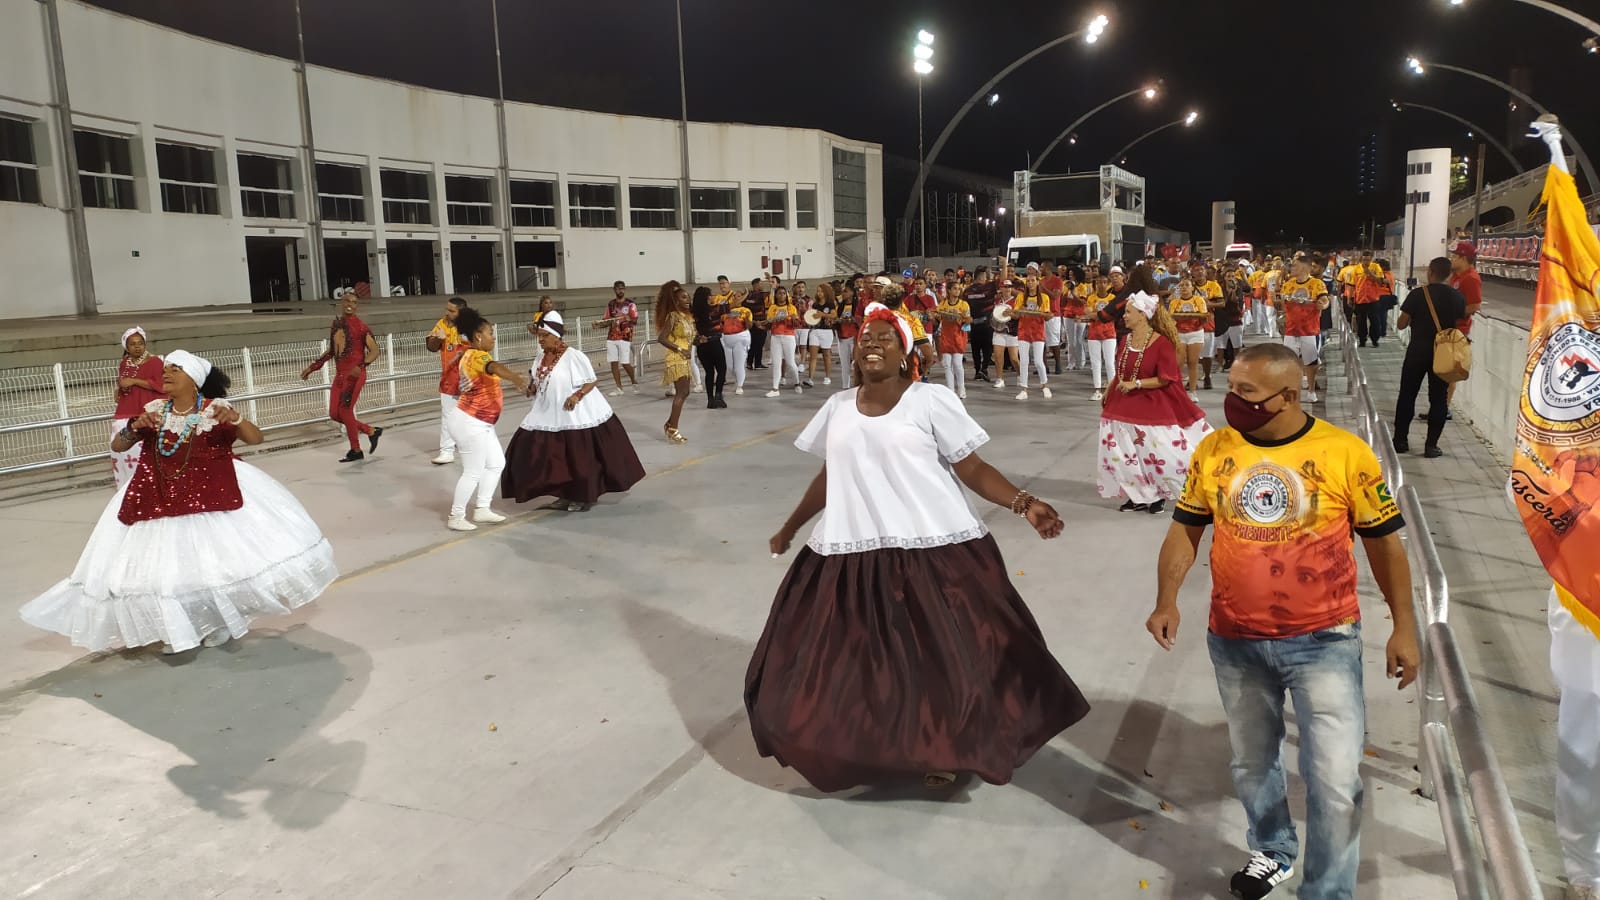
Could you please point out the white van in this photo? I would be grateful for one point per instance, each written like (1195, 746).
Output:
(1240, 251)
(1059, 249)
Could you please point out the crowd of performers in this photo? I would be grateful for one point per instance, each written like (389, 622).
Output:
(896, 646)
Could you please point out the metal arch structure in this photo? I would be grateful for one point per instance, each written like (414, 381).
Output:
(1476, 129)
(1038, 164)
(1569, 15)
(926, 164)
(1577, 149)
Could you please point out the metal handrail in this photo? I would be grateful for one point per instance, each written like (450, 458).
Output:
(1449, 705)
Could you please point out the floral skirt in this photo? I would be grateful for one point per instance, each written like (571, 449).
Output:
(1146, 463)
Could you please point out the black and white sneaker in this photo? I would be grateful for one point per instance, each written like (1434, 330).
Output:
(1258, 877)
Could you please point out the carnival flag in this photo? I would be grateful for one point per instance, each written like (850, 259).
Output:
(1556, 476)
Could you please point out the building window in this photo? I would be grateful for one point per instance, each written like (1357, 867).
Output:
(469, 200)
(340, 194)
(188, 179)
(769, 208)
(405, 197)
(266, 190)
(805, 207)
(714, 207)
(533, 204)
(652, 206)
(19, 169)
(591, 205)
(849, 189)
(105, 169)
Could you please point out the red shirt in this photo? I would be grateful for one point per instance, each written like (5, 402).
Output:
(1168, 405)
(623, 330)
(1470, 284)
(132, 401)
(1030, 329)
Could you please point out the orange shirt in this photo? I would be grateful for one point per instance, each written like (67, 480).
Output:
(480, 390)
(1098, 330)
(788, 323)
(449, 357)
(1186, 313)
(1302, 307)
(1030, 329)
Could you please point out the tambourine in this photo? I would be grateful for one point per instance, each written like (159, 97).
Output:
(813, 317)
(1002, 313)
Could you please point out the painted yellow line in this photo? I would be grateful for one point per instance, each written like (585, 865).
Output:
(536, 515)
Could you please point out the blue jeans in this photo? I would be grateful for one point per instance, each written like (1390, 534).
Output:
(1321, 671)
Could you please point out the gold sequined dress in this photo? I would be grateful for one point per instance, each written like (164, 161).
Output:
(681, 336)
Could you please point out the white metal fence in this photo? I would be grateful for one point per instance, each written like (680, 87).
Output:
(59, 415)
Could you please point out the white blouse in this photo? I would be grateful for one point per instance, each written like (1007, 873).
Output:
(571, 372)
(890, 482)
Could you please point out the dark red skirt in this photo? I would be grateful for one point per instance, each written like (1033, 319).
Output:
(890, 664)
(577, 465)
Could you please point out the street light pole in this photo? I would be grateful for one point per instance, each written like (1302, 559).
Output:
(1561, 11)
(1038, 165)
(1475, 129)
(1477, 202)
(1419, 67)
(1186, 120)
(922, 204)
(1091, 33)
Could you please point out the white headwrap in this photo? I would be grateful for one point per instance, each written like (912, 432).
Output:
(1145, 303)
(193, 366)
(552, 323)
(130, 333)
(1116, 270)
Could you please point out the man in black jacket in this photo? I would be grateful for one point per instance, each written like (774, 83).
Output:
(1448, 307)
(980, 298)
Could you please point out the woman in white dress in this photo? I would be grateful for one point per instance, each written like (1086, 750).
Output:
(571, 446)
(897, 645)
(198, 543)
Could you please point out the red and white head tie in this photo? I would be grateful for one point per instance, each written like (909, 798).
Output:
(1145, 303)
(877, 312)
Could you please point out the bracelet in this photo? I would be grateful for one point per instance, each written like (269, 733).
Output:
(1021, 503)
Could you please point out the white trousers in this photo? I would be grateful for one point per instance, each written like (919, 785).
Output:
(737, 348)
(1103, 361)
(1077, 346)
(955, 371)
(847, 358)
(447, 444)
(482, 460)
(782, 349)
(1575, 663)
(1031, 353)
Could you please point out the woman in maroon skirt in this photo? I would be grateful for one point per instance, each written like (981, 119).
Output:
(571, 446)
(896, 646)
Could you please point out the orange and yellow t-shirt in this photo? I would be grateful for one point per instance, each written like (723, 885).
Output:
(480, 391)
(1283, 556)
(1302, 307)
(952, 339)
(737, 320)
(1188, 314)
(449, 355)
(788, 322)
(1030, 329)
(1098, 330)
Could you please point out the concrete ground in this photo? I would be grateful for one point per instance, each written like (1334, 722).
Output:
(552, 707)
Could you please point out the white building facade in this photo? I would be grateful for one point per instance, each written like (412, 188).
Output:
(191, 157)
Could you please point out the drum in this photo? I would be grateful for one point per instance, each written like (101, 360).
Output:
(1002, 313)
(813, 317)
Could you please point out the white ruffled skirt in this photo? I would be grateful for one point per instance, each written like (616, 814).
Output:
(176, 580)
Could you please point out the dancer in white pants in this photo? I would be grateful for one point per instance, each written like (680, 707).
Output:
(782, 348)
(736, 322)
(1575, 663)
(1100, 337)
(446, 341)
(471, 422)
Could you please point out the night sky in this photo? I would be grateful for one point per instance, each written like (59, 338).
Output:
(1286, 90)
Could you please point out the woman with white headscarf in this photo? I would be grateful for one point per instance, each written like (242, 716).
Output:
(198, 543)
(570, 446)
(1149, 426)
(138, 385)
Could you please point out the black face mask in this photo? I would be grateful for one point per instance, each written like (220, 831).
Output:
(1249, 416)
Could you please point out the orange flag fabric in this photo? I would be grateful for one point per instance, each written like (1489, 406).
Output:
(1556, 476)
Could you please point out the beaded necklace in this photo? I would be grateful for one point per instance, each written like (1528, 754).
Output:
(547, 364)
(190, 421)
(130, 369)
(1138, 361)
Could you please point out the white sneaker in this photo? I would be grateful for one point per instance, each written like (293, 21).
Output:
(1098, 395)
(1023, 395)
(774, 393)
(483, 515)
(217, 638)
(615, 392)
(827, 380)
(460, 523)
(999, 383)
(1046, 392)
(636, 389)
(444, 459)
(1193, 396)
(962, 393)
(798, 389)
(739, 391)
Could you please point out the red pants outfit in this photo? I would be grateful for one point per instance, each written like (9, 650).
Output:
(347, 385)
